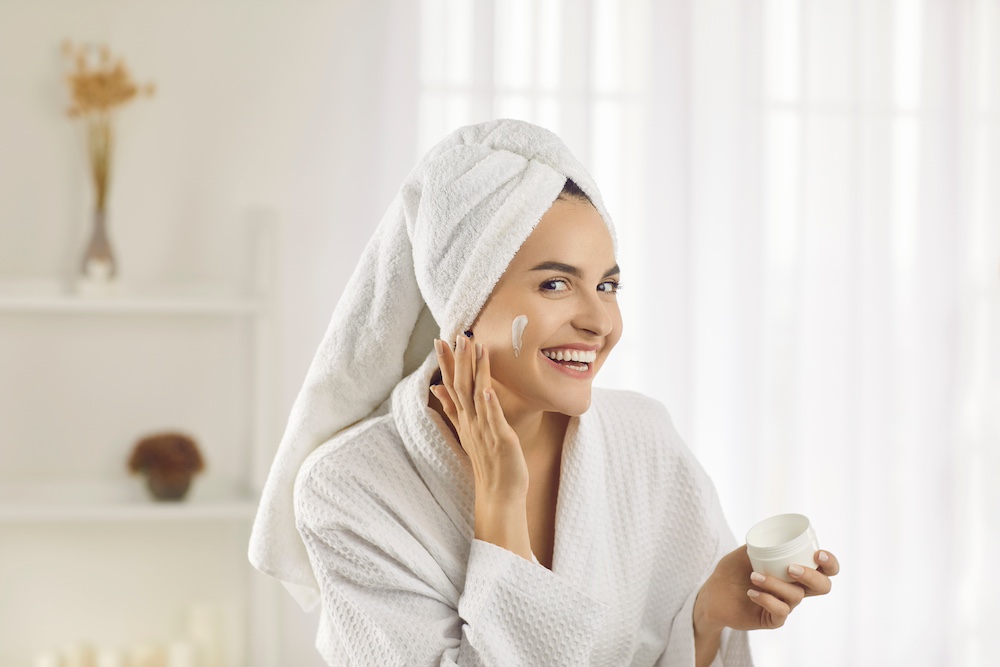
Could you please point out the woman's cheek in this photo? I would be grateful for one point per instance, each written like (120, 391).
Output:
(617, 331)
(616, 334)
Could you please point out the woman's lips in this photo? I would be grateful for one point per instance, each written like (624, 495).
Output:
(579, 375)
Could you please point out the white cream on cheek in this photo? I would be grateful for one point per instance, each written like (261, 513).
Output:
(517, 332)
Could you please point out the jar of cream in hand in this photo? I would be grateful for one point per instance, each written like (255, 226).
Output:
(780, 541)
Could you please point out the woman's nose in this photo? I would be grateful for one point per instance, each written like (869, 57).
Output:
(593, 315)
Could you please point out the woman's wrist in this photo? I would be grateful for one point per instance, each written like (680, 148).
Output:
(704, 624)
(504, 522)
(707, 633)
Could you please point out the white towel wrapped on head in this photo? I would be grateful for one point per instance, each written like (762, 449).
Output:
(448, 236)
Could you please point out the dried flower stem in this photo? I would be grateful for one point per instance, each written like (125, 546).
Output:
(99, 144)
(96, 94)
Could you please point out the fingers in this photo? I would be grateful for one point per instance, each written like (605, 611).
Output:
(778, 598)
(496, 423)
(817, 582)
(456, 373)
(776, 610)
(446, 362)
(805, 582)
(828, 563)
(462, 381)
(467, 382)
(494, 415)
(789, 593)
(814, 581)
(481, 383)
(446, 403)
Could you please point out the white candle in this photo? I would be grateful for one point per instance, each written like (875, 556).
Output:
(182, 654)
(146, 655)
(203, 625)
(47, 659)
(78, 655)
(110, 658)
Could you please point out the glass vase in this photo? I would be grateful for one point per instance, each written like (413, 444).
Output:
(99, 261)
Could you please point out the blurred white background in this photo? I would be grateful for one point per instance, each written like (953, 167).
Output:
(807, 202)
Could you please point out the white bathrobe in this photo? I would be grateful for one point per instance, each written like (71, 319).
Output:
(386, 511)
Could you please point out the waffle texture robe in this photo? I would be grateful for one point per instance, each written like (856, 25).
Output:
(386, 512)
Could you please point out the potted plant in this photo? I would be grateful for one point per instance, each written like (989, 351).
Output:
(169, 461)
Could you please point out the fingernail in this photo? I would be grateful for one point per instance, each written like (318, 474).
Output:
(479, 350)
(757, 576)
(460, 344)
(795, 570)
(752, 593)
(486, 394)
(823, 557)
(439, 346)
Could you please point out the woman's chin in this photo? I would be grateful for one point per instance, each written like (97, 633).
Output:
(569, 398)
(574, 406)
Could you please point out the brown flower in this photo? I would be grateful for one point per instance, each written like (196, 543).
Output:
(171, 453)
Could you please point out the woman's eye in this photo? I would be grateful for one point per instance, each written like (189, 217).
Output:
(555, 286)
(609, 286)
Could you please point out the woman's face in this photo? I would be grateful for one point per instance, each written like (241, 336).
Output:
(564, 279)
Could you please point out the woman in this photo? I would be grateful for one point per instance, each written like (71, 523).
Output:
(475, 501)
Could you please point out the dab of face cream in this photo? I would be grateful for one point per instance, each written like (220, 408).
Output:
(517, 332)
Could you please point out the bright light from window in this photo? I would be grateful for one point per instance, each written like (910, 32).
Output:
(515, 30)
(907, 52)
(783, 187)
(781, 41)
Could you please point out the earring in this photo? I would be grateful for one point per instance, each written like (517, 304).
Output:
(468, 333)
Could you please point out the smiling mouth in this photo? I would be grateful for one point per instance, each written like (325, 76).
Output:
(565, 360)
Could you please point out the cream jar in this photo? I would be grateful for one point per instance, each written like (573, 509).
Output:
(780, 541)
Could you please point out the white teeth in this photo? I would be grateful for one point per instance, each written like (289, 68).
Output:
(571, 355)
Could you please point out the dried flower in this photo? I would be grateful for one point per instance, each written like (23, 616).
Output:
(96, 92)
(99, 89)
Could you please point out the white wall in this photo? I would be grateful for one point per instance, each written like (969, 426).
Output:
(256, 109)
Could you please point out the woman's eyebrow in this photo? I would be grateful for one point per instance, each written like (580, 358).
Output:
(572, 270)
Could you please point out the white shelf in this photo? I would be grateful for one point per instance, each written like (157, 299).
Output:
(121, 501)
(192, 299)
(38, 510)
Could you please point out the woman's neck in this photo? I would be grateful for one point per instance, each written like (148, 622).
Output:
(541, 433)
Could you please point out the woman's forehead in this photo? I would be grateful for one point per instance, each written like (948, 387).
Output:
(570, 233)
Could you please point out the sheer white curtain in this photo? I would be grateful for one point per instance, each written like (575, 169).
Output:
(806, 193)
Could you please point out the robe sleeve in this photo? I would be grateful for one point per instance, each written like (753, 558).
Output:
(734, 649)
(380, 611)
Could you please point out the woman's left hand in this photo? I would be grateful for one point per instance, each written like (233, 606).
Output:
(735, 596)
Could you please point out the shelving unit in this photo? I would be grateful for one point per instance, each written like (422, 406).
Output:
(102, 501)
(111, 368)
(177, 299)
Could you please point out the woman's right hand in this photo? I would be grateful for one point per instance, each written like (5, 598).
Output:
(470, 403)
(735, 596)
